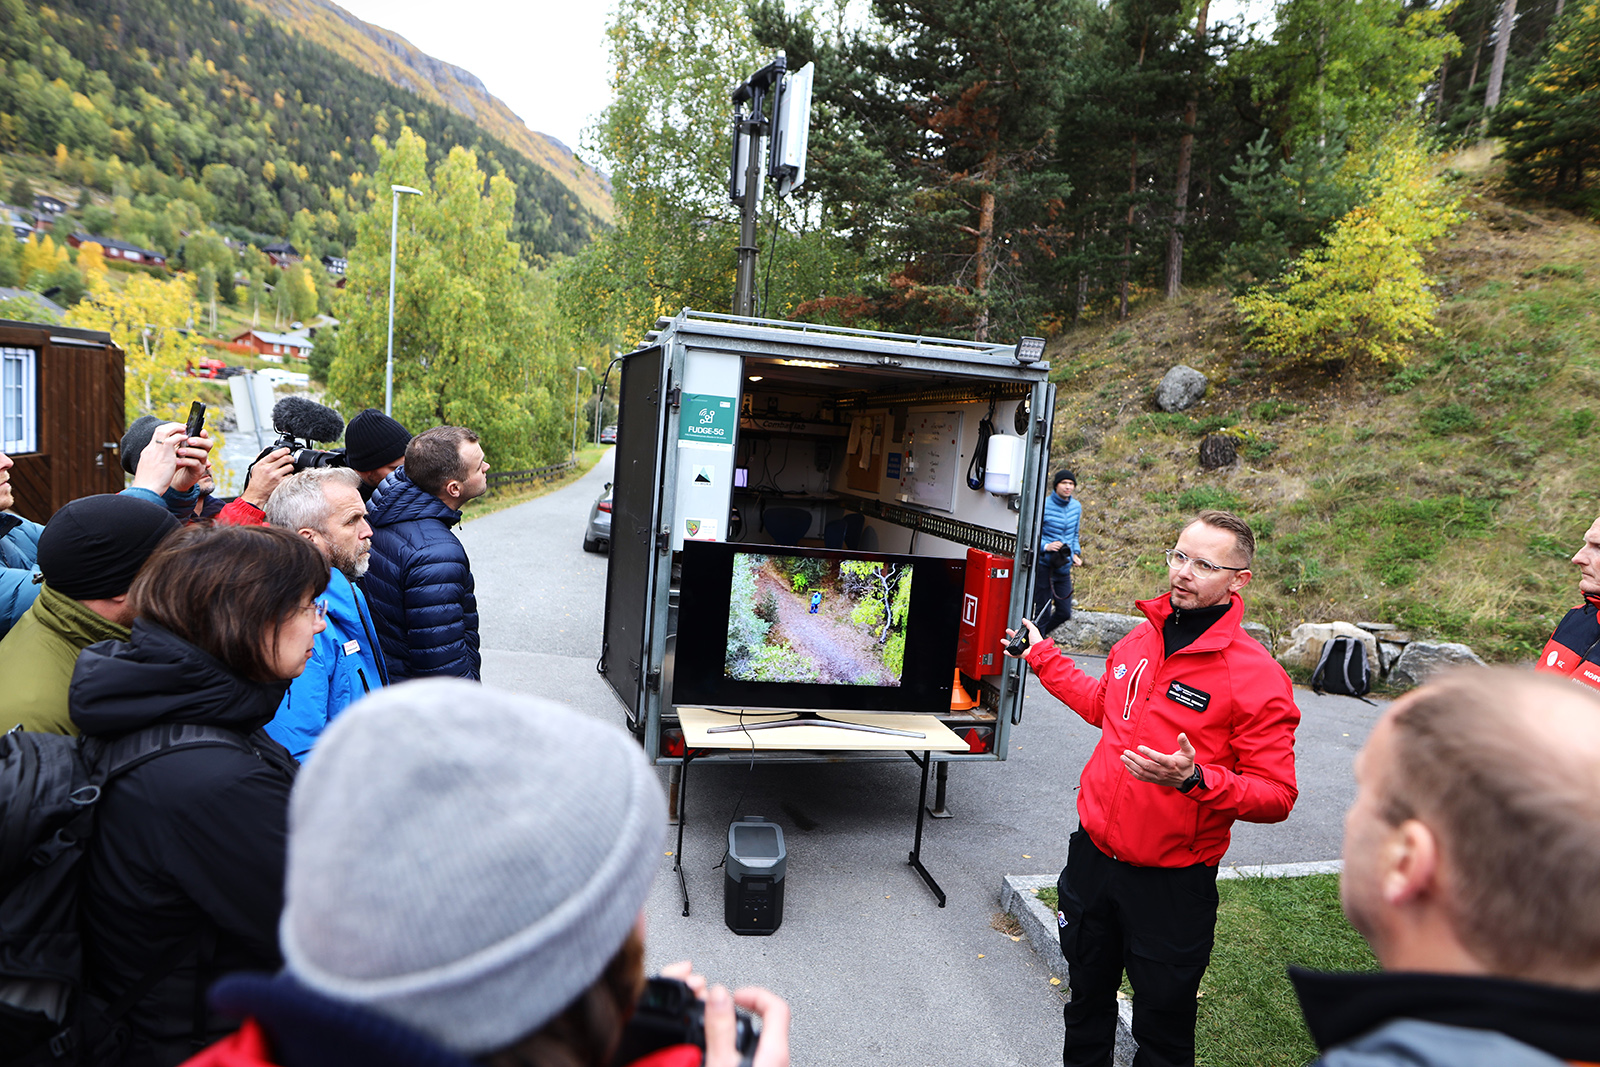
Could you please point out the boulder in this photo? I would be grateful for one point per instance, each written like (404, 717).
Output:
(1303, 647)
(1424, 658)
(1376, 627)
(1094, 632)
(1389, 653)
(1260, 632)
(1181, 388)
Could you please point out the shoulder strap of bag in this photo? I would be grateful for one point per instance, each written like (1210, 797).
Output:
(131, 750)
(1320, 673)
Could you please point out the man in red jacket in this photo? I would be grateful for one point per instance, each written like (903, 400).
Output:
(1197, 726)
(1574, 648)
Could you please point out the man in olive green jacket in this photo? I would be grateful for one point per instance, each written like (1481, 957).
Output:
(89, 553)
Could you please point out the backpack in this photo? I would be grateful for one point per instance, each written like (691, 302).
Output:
(1343, 669)
(49, 784)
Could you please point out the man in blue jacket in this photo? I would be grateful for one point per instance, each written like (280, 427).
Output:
(420, 584)
(19, 554)
(1058, 553)
(324, 506)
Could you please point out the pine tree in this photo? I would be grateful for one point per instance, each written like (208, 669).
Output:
(1552, 125)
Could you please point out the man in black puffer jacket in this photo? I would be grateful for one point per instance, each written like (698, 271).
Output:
(419, 585)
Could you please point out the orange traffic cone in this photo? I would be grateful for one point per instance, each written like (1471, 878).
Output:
(959, 700)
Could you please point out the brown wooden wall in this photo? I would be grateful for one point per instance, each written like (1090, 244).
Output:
(81, 420)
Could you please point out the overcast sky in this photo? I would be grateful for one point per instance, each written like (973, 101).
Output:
(547, 60)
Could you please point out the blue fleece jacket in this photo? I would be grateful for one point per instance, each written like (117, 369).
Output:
(1061, 524)
(346, 666)
(19, 554)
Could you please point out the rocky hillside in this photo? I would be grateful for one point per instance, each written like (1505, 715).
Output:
(1443, 495)
(399, 62)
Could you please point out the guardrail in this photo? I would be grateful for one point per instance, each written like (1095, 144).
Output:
(502, 479)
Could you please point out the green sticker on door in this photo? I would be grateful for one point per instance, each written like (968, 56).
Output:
(706, 419)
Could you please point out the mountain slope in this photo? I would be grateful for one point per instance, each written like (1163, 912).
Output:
(397, 61)
(217, 103)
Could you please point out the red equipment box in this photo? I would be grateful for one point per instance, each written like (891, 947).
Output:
(984, 605)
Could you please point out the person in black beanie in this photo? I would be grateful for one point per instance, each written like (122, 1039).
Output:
(89, 553)
(374, 446)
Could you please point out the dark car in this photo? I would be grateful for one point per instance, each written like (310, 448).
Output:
(597, 538)
(608, 436)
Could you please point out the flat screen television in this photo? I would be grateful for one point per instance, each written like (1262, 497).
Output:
(771, 628)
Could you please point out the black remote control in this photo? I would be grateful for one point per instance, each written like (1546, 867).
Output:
(1019, 642)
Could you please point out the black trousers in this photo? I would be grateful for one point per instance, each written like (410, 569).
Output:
(1159, 924)
(1052, 587)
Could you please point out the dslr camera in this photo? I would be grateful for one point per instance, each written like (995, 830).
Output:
(299, 422)
(668, 1013)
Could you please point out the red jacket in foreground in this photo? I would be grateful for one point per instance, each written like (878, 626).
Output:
(1226, 692)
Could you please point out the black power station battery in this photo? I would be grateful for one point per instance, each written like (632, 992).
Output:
(752, 891)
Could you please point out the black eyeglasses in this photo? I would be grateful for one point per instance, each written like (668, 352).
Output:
(1176, 560)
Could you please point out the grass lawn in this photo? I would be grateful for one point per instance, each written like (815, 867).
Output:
(1248, 1013)
(510, 497)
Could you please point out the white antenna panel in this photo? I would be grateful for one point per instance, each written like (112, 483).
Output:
(792, 128)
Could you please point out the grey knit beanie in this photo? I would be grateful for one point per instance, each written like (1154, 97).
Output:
(465, 861)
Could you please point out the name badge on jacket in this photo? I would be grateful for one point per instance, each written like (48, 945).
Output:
(351, 647)
(1188, 696)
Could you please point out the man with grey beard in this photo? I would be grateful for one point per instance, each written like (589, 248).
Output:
(324, 506)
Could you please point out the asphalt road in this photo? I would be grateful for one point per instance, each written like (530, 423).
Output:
(875, 971)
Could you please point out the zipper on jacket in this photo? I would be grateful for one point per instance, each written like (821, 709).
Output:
(365, 688)
(1133, 687)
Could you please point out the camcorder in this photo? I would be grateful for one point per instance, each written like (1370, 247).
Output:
(300, 422)
(668, 1013)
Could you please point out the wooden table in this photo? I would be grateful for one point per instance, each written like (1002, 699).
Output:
(704, 728)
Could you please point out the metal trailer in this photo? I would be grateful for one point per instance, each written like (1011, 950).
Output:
(714, 395)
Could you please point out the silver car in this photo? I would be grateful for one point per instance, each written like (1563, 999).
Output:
(598, 536)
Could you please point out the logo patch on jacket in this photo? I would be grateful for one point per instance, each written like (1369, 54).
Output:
(1122, 669)
(1188, 696)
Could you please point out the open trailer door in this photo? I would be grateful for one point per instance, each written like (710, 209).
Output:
(637, 532)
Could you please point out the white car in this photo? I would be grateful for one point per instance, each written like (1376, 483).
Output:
(284, 377)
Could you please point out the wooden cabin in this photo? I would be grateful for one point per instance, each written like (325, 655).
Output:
(61, 414)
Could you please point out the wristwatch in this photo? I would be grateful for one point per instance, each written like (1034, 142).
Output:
(1195, 780)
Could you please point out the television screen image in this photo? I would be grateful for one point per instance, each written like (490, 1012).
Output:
(763, 627)
(819, 620)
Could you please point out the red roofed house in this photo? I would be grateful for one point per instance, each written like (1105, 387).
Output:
(264, 343)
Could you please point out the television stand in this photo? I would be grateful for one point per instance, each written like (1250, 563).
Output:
(811, 718)
(704, 728)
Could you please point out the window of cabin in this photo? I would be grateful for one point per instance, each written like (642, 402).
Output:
(19, 415)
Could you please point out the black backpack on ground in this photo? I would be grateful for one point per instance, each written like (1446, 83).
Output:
(1343, 669)
(49, 784)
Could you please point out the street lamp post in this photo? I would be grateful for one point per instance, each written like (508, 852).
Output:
(394, 237)
(576, 371)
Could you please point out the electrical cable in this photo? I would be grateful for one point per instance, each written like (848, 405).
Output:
(772, 253)
(750, 773)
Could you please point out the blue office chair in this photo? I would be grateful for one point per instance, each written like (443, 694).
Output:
(844, 532)
(786, 525)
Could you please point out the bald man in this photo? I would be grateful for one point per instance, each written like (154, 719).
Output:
(1472, 868)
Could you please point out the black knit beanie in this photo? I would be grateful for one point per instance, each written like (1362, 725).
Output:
(1063, 475)
(93, 547)
(135, 440)
(374, 440)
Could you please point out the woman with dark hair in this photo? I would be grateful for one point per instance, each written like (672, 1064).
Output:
(185, 871)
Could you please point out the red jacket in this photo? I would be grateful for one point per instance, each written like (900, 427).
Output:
(1233, 701)
(240, 512)
(249, 1047)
